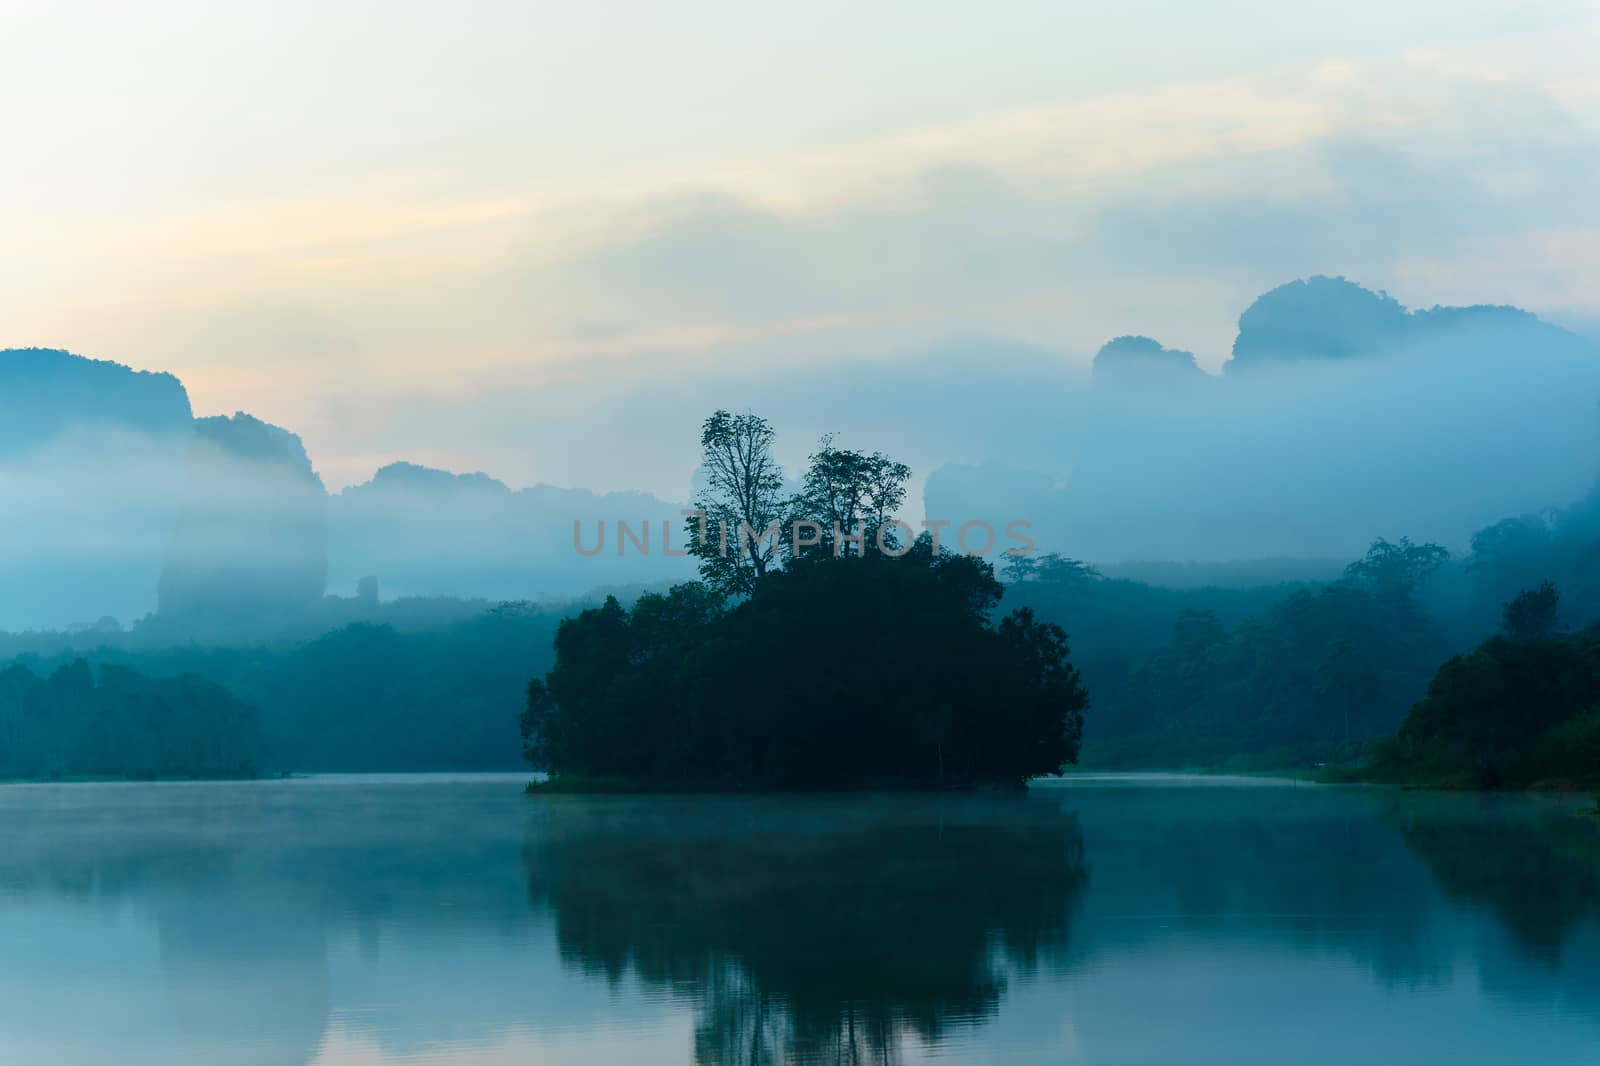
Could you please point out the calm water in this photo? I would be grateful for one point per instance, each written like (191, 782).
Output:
(346, 921)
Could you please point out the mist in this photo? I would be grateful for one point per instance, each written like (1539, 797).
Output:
(1339, 418)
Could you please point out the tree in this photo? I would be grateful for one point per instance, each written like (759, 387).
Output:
(833, 673)
(1509, 713)
(1396, 568)
(1052, 568)
(851, 496)
(1510, 543)
(735, 535)
(1532, 614)
(1051, 719)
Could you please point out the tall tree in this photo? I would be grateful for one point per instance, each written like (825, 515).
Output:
(1396, 568)
(736, 533)
(852, 497)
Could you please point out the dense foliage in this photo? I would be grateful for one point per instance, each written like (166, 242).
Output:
(121, 724)
(426, 685)
(1312, 672)
(834, 673)
(1513, 712)
(1288, 675)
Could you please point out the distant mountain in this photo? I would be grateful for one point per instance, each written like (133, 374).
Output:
(91, 458)
(251, 543)
(1140, 362)
(403, 477)
(44, 391)
(1322, 318)
(245, 438)
(119, 502)
(423, 531)
(1342, 417)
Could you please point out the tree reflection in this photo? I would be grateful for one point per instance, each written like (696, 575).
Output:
(1538, 872)
(823, 930)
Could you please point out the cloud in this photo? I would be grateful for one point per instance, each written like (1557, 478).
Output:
(1159, 210)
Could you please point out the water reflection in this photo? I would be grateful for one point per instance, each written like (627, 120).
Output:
(1536, 868)
(214, 923)
(815, 930)
(378, 922)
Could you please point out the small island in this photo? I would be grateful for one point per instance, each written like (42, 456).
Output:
(838, 656)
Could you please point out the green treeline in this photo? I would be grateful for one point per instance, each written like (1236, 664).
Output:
(857, 663)
(1301, 675)
(1311, 673)
(424, 685)
(1520, 709)
(115, 722)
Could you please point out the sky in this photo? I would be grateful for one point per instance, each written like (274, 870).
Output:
(425, 231)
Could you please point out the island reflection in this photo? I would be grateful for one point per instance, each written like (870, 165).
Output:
(813, 930)
(396, 922)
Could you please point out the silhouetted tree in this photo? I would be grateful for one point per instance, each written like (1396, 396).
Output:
(851, 496)
(1051, 567)
(1510, 712)
(736, 535)
(1397, 568)
(1532, 614)
(841, 672)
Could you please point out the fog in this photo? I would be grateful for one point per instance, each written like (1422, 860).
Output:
(1341, 417)
(1432, 438)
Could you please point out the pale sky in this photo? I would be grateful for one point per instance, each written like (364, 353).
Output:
(334, 214)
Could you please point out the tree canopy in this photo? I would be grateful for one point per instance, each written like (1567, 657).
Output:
(872, 663)
(851, 498)
(834, 673)
(115, 722)
(1520, 708)
(1532, 614)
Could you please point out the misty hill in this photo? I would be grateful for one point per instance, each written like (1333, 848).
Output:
(423, 531)
(251, 543)
(1343, 416)
(1140, 362)
(1322, 318)
(91, 458)
(44, 392)
(120, 503)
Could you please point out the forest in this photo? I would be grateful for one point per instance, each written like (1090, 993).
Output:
(1313, 673)
(1518, 710)
(417, 685)
(113, 722)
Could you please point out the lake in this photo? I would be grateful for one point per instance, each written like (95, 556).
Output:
(379, 921)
